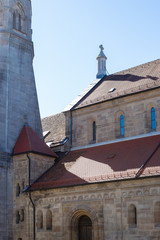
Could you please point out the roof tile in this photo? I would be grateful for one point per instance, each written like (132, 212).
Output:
(29, 141)
(94, 165)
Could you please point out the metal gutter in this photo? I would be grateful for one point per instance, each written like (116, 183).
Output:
(84, 184)
(115, 141)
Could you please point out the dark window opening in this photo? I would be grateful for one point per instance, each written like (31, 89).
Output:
(85, 228)
(94, 130)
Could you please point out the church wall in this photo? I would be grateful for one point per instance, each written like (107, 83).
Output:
(22, 204)
(137, 118)
(106, 204)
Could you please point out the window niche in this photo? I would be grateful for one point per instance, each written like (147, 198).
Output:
(19, 18)
(92, 131)
(157, 214)
(132, 216)
(17, 217)
(48, 220)
(39, 220)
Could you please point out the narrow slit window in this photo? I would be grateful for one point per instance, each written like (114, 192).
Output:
(153, 119)
(122, 125)
(94, 130)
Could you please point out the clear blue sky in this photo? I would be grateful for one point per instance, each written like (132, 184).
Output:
(67, 35)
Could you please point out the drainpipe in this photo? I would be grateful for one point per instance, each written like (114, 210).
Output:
(71, 127)
(33, 205)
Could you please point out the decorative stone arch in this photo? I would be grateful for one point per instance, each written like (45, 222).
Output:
(72, 223)
(19, 17)
(148, 116)
(117, 123)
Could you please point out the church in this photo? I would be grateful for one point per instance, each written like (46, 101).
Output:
(93, 172)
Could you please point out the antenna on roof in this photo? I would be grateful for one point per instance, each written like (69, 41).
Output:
(101, 63)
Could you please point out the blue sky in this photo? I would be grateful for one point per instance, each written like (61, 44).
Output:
(67, 35)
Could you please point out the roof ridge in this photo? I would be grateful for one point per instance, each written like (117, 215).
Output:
(137, 66)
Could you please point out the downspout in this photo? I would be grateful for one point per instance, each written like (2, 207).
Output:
(33, 205)
(71, 125)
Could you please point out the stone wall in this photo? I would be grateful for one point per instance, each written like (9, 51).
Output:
(137, 118)
(108, 207)
(27, 168)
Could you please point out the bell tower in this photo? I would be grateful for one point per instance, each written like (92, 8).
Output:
(18, 97)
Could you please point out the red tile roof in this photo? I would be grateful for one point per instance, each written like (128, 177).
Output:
(29, 141)
(115, 161)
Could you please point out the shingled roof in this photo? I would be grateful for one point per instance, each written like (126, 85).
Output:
(117, 161)
(55, 124)
(130, 81)
(29, 141)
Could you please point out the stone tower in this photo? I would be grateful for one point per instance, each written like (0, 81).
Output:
(18, 97)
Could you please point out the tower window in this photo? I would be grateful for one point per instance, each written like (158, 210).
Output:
(19, 18)
(94, 130)
(153, 118)
(122, 125)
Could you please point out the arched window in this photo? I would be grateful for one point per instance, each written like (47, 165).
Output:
(85, 228)
(132, 216)
(153, 118)
(48, 220)
(122, 125)
(94, 130)
(19, 18)
(157, 214)
(39, 219)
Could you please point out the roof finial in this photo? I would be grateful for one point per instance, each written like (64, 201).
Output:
(101, 63)
(101, 47)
